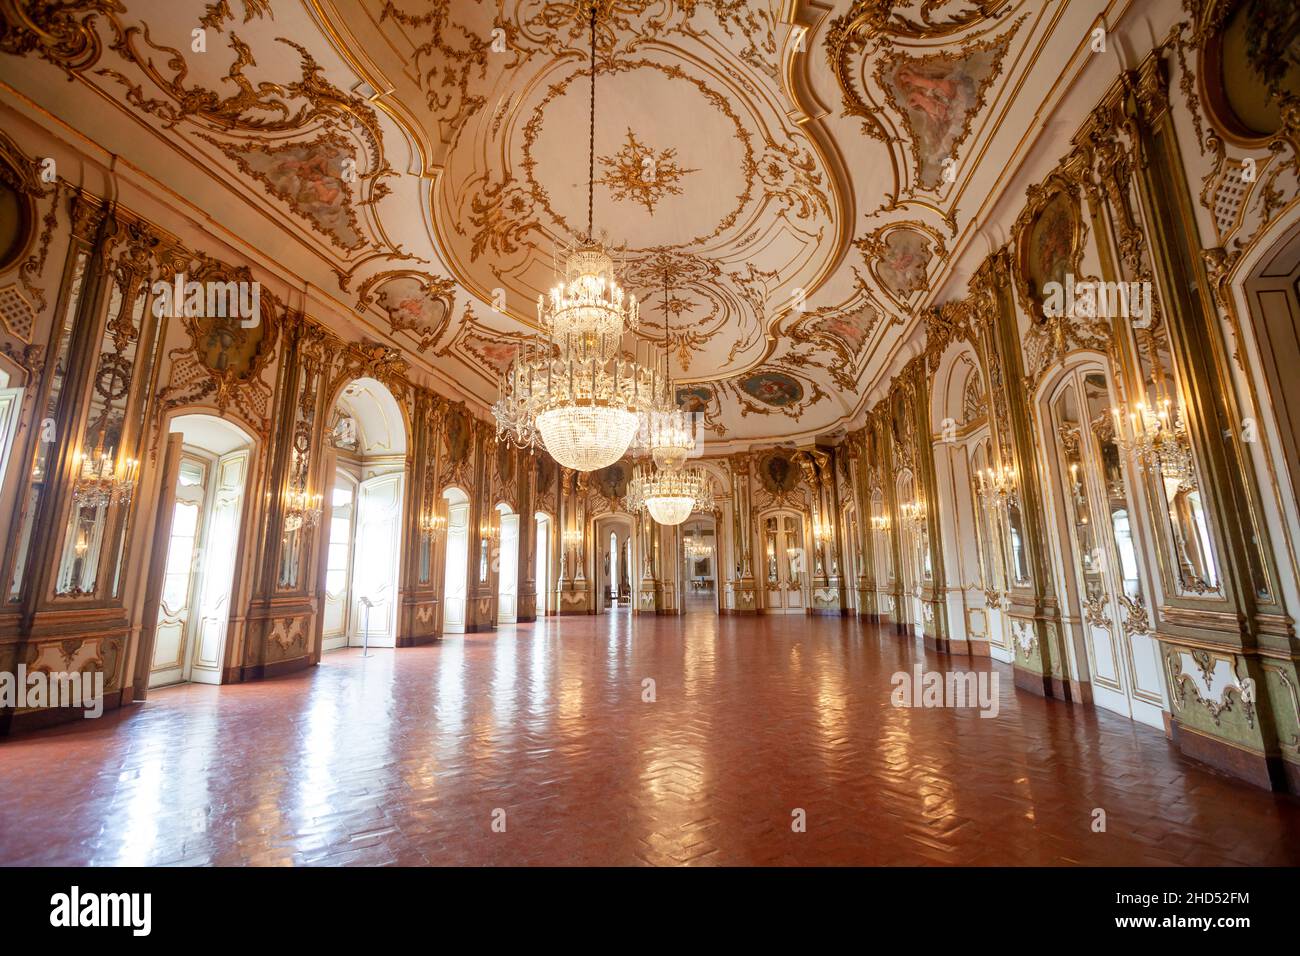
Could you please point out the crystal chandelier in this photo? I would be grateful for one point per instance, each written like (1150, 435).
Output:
(697, 547)
(580, 395)
(667, 436)
(99, 481)
(669, 496)
(1158, 439)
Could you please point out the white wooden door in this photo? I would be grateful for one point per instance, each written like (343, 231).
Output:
(375, 563)
(221, 548)
(543, 571)
(338, 567)
(508, 571)
(181, 573)
(1124, 662)
(786, 563)
(10, 405)
(454, 592)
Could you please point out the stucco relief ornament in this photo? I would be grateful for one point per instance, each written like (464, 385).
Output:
(1025, 638)
(1095, 611)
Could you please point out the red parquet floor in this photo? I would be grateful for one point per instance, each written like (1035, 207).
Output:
(404, 756)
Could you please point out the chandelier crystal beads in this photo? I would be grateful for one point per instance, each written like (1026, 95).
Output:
(696, 547)
(583, 402)
(669, 496)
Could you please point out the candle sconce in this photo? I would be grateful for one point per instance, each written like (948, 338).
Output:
(101, 480)
(301, 510)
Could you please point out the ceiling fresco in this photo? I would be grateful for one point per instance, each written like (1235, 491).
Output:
(782, 180)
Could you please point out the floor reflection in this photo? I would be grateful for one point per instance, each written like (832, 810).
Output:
(404, 756)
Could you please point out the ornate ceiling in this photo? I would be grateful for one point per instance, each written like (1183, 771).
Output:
(795, 177)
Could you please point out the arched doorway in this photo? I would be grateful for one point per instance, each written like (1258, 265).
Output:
(368, 432)
(1272, 299)
(199, 577)
(508, 566)
(699, 559)
(456, 573)
(615, 570)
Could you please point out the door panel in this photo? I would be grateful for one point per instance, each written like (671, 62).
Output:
(374, 575)
(786, 563)
(221, 548)
(1104, 557)
(508, 571)
(181, 575)
(457, 556)
(338, 564)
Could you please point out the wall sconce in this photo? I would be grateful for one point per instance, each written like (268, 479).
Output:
(101, 481)
(433, 525)
(301, 510)
(572, 539)
(912, 513)
(880, 522)
(1159, 440)
(823, 532)
(489, 533)
(997, 486)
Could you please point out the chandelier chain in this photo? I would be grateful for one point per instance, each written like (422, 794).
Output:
(591, 134)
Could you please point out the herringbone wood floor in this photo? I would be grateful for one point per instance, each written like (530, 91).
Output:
(404, 757)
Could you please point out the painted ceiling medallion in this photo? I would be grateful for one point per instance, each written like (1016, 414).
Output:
(640, 174)
(937, 96)
(773, 388)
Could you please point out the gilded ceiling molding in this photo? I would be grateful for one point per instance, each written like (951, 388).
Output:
(842, 330)
(60, 33)
(770, 391)
(308, 177)
(754, 260)
(747, 176)
(702, 400)
(947, 324)
(313, 179)
(486, 350)
(218, 12)
(367, 359)
(626, 173)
